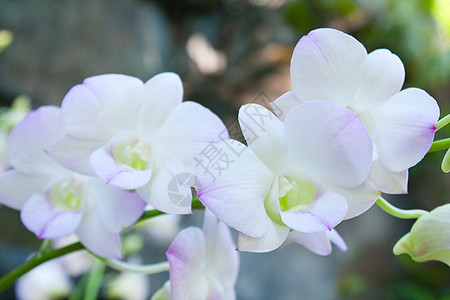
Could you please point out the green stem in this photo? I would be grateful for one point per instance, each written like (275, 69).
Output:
(440, 145)
(11, 277)
(443, 122)
(123, 266)
(196, 204)
(94, 281)
(45, 247)
(398, 212)
(47, 255)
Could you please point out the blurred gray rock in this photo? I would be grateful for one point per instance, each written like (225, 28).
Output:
(59, 43)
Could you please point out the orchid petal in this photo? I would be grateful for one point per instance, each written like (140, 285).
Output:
(116, 209)
(383, 78)
(188, 131)
(185, 257)
(236, 192)
(162, 93)
(388, 181)
(46, 221)
(328, 210)
(203, 264)
(73, 154)
(95, 109)
(265, 136)
(336, 239)
(274, 237)
(284, 104)
(38, 130)
(47, 281)
(219, 243)
(405, 126)
(328, 141)
(327, 64)
(111, 172)
(359, 199)
(96, 238)
(169, 189)
(317, 242)
(16, 188)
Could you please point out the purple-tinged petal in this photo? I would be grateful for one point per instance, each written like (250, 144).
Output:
(275, 236)
(111, 172)
(328, 141)
(284, 104)
(162, 93)
(185, 256)
(116, 209)
(46, 221)
(383, 78)
(328, 210)
(27, 141)
(73, 154)
(101, 106)
(405, 127)
(203, 264)
(265, 136)
(236, 192)
(387, 181)
(359, 199)
(327, 64)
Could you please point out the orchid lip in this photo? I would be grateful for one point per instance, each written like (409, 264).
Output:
(294, 195)
(66, 194)
(134, 154)
(300, 194)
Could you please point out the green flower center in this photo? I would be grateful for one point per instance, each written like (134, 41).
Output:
(66, 194)
(135, 154)
(296, 194)
(293, 195)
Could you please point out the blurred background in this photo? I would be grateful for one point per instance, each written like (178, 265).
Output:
(229, 53)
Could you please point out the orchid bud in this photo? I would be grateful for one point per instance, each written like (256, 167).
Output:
(429, 238)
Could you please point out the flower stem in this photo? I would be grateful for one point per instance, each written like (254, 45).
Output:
(35, 261)
(440, 145)
(196, 204)
(94, 281)
(443, 122)
(143, 269)
(45, 247)
(398, 212)
(46, 254)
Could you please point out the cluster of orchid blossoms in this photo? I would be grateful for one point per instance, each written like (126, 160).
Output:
(118, 151)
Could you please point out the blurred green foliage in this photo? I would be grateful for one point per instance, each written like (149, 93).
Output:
(6, 38)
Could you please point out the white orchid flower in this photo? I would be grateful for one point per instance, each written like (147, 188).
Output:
(306, 174)
(328, 64)
(136, 136)
(56, 202)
